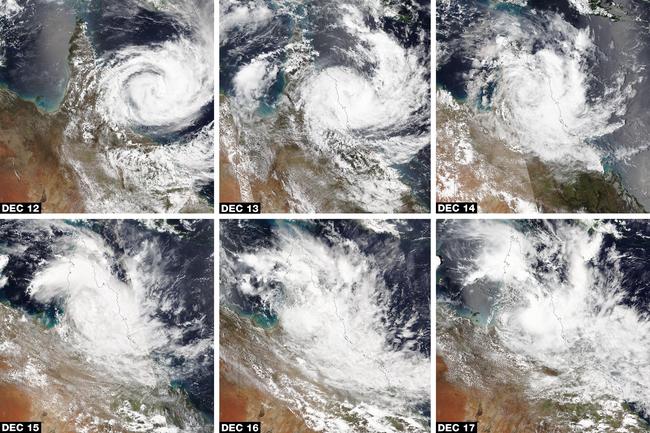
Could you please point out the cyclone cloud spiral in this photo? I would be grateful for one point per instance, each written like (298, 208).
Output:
(542, 103)
(119, 96)
(108, 325)
(163, 88)
(326, 109)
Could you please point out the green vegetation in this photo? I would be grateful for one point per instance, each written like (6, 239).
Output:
(405, 18)
(576, 412)
(594, 4)
(587, 192)
(396, 423)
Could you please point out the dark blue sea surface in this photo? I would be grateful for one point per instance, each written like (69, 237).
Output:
(114, 25)
(324, 35)
(634, 247)
(188, 284)
(242, 45)
(458, 18)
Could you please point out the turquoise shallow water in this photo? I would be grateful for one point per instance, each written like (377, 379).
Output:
(262, 319)
(48, 104)
(267, 104)
(48, 315)
(184, 387)
(510, 8)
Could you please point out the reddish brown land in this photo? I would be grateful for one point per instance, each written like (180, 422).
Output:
(498, 407)
(451, 402)
(31, 165)
(14, 404)
(239, 401)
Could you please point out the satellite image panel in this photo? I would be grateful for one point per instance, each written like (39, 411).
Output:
(325, 325)
(107, 105)
(543, 325)
(107, 326)
(542, 105)
(324, 106)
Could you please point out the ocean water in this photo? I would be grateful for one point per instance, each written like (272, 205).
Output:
(34, 52)
(36, 46)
